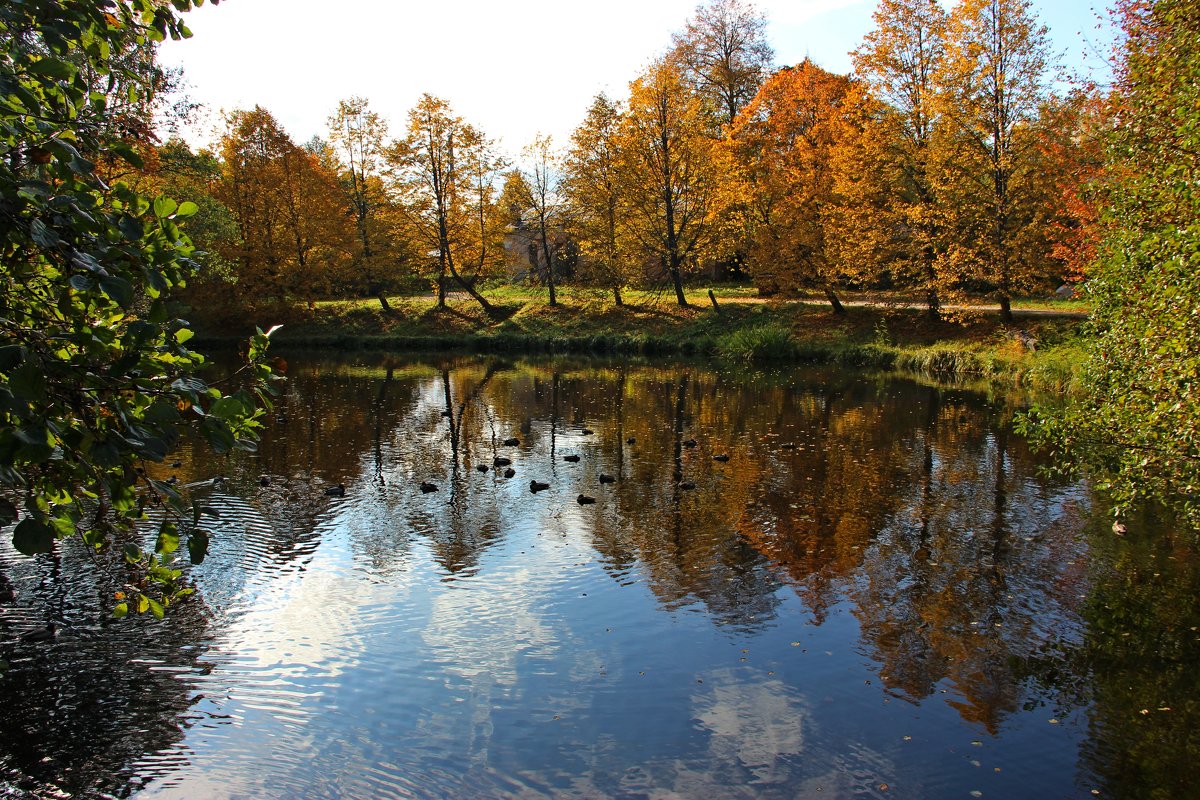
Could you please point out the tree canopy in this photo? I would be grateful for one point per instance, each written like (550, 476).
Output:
(96, 376)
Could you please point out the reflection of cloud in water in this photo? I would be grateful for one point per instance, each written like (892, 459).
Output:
(757, 723)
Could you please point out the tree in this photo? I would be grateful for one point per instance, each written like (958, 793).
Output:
(890, 211)
(429, 174)
(670, 174)
(991, 190)
(358, 134)
(287, 206)
(543, 199)
(95, 374)
(784, 141)
(724, 55)
(1136, 426)
(593, 192)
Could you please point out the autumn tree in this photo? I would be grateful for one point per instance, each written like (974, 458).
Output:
(542, 199)
(484, 164)
(287, 207)
(724, 56)
(592, 190)
(991, 190)
(429, 173)
(671, 175)
(784, 140)
(889, 217)
(359, 135)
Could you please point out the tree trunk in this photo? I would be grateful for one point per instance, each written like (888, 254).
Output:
(383, 303)
(1006, 308)
(673, 267)
(713, 298)
(838, 308)
(549, 266)
(469, 288)
(617, 296)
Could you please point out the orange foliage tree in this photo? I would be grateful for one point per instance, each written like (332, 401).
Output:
(783, 143)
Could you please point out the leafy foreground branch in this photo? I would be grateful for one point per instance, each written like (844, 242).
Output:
(1138, 426)
(96, 378)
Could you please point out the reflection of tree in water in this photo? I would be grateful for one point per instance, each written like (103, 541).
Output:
(1140, 655)
(79, 708)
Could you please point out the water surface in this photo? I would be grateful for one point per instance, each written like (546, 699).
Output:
(878, 594)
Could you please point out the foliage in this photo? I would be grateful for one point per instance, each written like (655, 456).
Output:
(96, 378)
(292, 220)
(1137, 429)
(672, 176)
(358, 135)
(724, 56)
(592, 189)
(887, 214)
(993, 197)
(784, 142)
(438, 173)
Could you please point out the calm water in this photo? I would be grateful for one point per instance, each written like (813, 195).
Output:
(876, 595)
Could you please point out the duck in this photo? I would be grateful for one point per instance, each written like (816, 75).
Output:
(723, 457)
(336, 491)
(607, 478)
(788, 445)
(428, 487)
(501, 461)
(631, 440)
(572, 459)
(40, 634)
(481, 467)
(687, 486)
(587, 431)
(537, 486)
(512, 442)
(264, 480)
(508, 473)
(689, 442)
(584, 500)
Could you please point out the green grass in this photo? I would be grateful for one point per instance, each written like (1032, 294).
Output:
(976, 346)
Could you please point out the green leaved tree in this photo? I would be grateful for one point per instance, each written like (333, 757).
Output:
(96, 377)
(1138, 427)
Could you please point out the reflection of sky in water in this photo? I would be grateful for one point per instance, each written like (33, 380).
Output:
(879, 606)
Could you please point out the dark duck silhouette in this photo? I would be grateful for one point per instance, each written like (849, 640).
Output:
(584, 500)
(428, 487)
(536, 486)
(572, 459)
(607, 478)
(336, 491)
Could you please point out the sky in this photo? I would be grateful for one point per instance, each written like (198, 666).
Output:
(514, 68)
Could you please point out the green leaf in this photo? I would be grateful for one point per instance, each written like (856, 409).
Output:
(164, 207)
(33, 536)
(168, 539)
(118, 289)
(156, 608)
(53, 68)
(121, 610)
(183, 334)
(187, 208)
(198, 546)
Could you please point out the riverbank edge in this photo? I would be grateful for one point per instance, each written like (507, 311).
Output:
(1051, 369)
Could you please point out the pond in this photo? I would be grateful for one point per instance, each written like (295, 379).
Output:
(802, 583)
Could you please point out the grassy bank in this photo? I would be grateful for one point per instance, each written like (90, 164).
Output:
(1039, 352)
